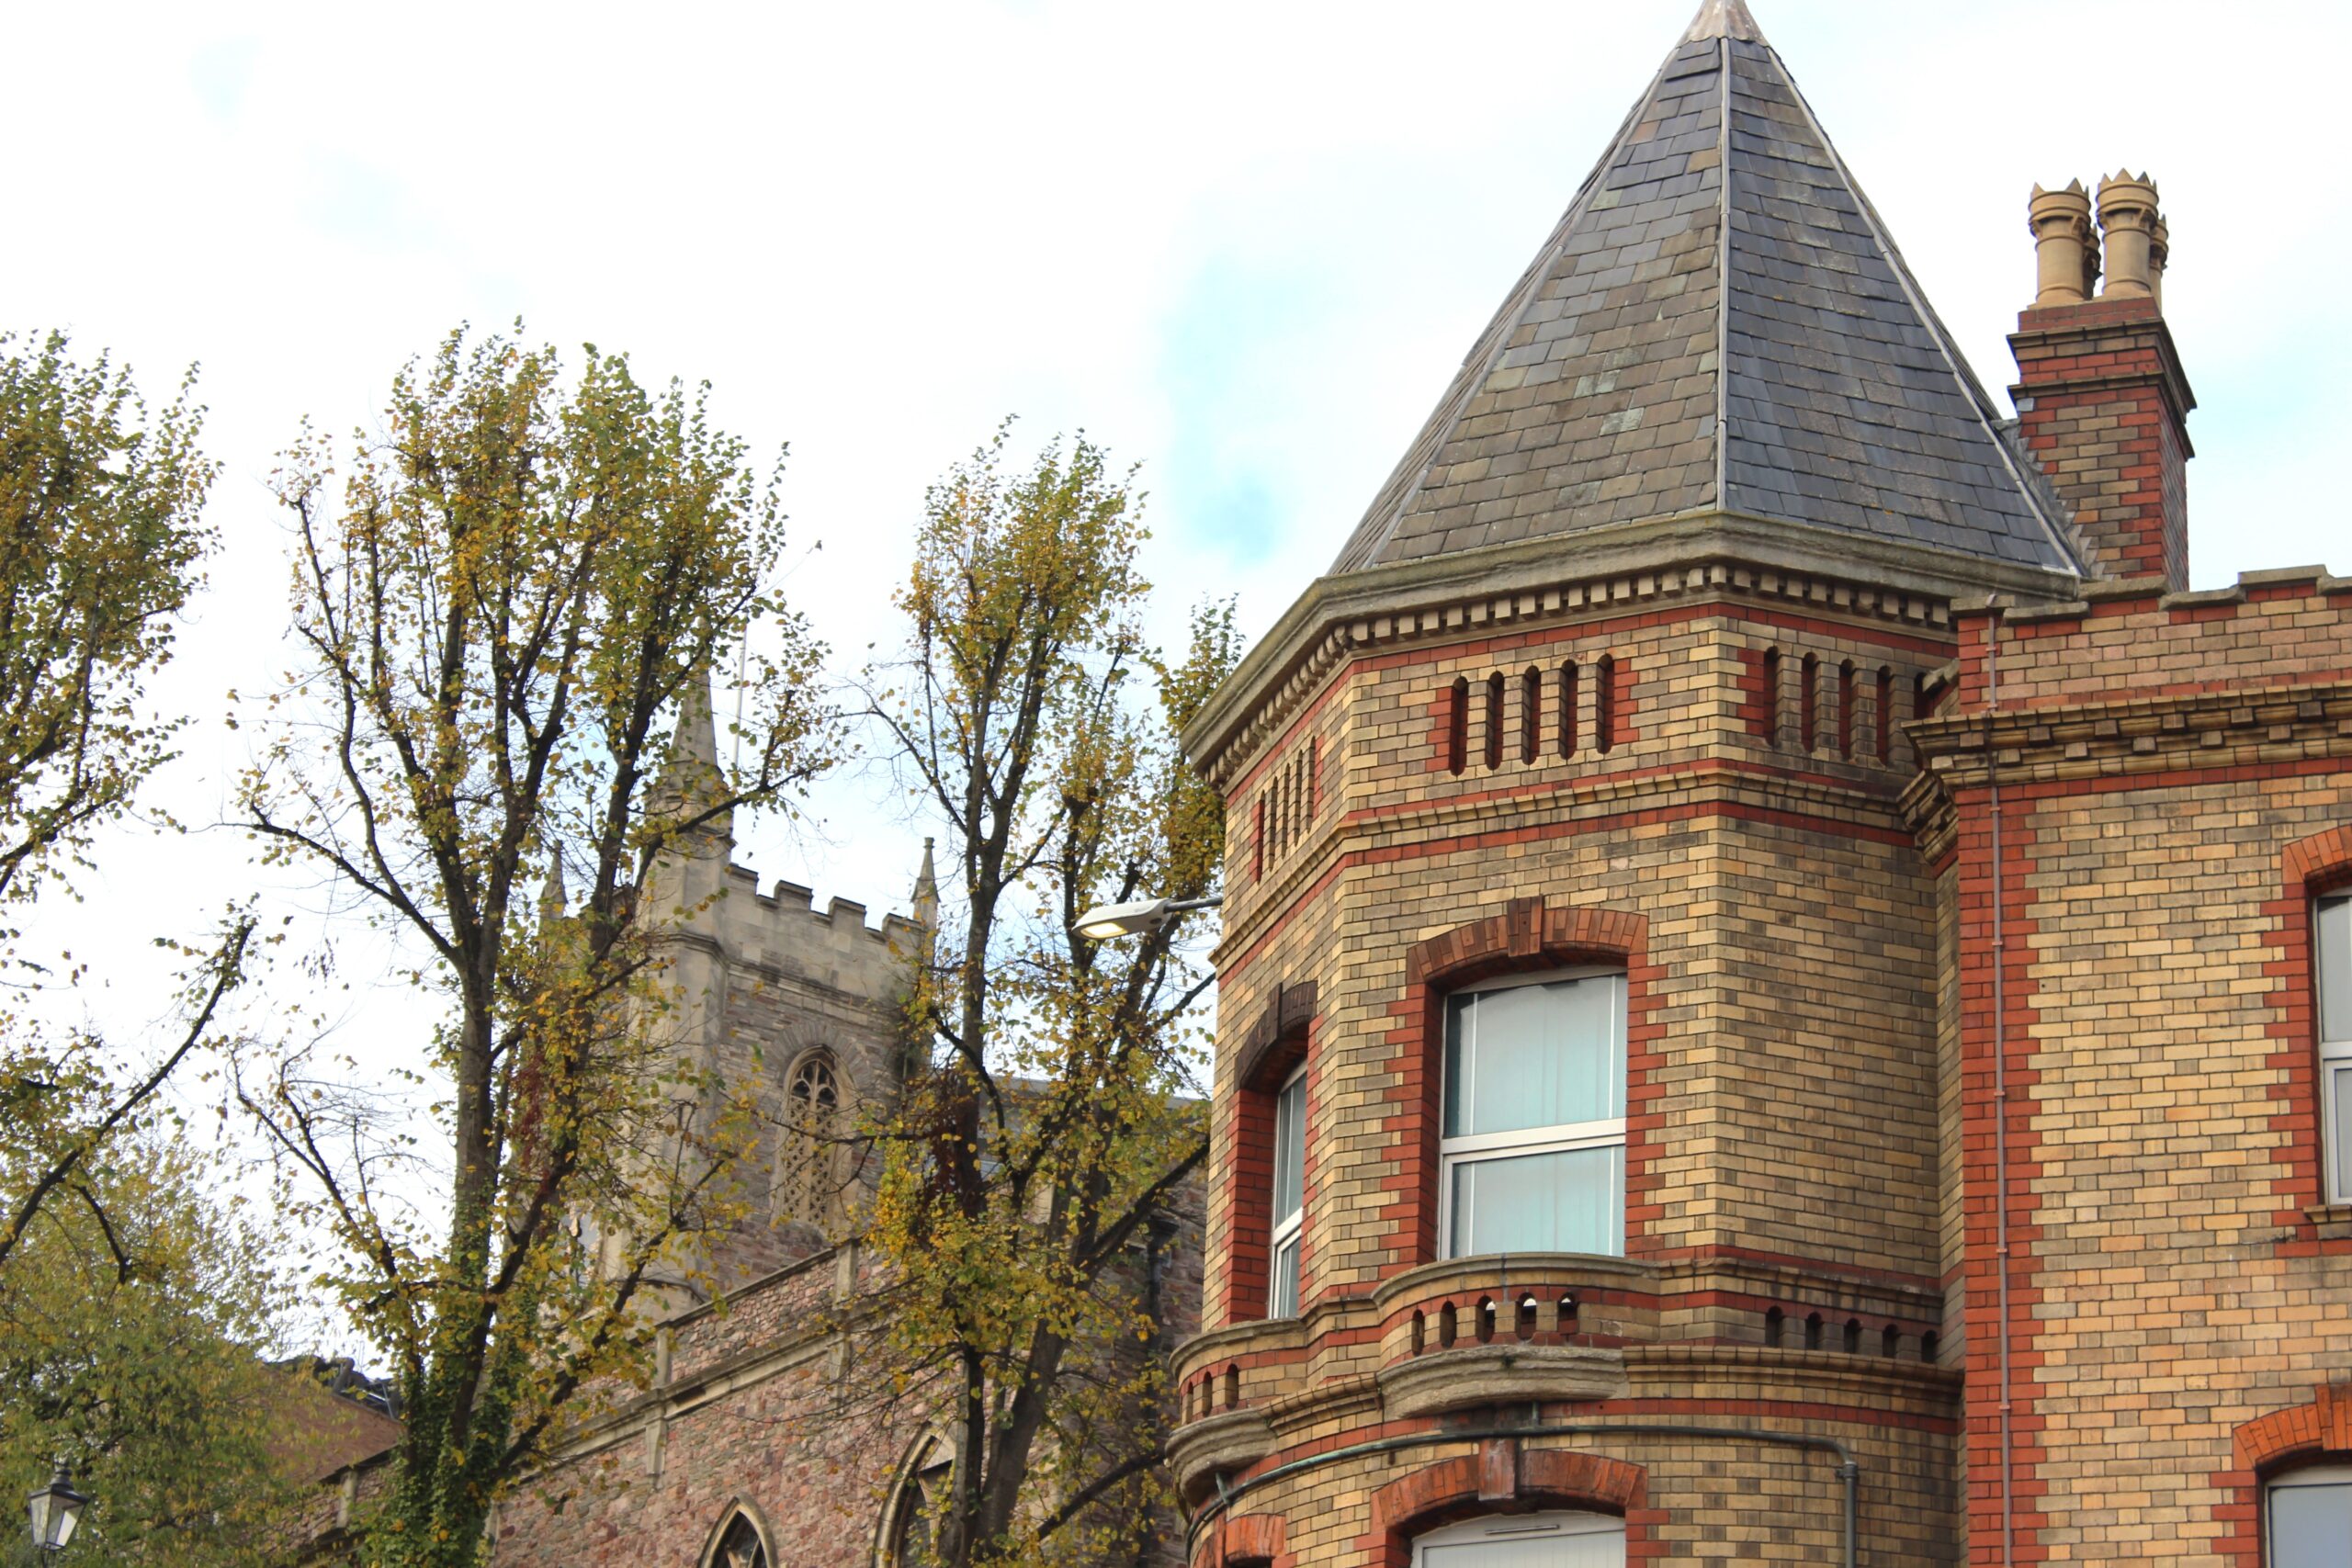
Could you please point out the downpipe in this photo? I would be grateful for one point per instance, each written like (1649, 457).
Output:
(2000, 1094)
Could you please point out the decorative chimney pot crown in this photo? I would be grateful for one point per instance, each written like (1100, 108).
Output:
(2066, 262)
(2128, 223)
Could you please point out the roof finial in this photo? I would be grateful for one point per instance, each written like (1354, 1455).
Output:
(697, 737)
(1723, 19)
(692, 781)
(926, 888)
(551, 896)
(926, 910)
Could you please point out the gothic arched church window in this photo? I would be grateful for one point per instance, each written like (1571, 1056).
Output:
(740, 1547)
(921, 1486)
(806, 1186)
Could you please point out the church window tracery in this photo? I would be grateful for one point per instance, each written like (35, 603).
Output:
(740, 1546)
(807, 1185)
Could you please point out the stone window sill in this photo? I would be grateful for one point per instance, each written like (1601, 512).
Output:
(2333, 1221)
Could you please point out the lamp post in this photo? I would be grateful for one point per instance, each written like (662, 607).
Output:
(56, 1512)
(1106, 922)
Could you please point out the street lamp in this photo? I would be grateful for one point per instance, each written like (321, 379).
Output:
(1106, 921)
(56, 1509)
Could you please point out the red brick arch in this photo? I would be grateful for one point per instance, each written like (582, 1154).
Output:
(2301, 1434)
(1504, 1478)
(1525, 936)
(1252, 1540)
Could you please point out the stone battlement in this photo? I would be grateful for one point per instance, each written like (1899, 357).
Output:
(843, 919)
(2292, 626)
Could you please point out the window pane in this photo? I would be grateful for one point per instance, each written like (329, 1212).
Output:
(2309, 1525)
(2334, 940)
(1284, 1300)
(1536, 1056)
(1570, 1200)
(1528, 1542)
(2339, 1089)
(1290, 1148)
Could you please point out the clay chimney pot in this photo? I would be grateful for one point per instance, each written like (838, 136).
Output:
(2064, 260)
(2128, 222)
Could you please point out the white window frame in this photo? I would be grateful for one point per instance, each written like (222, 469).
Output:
(2329, 1475)
(1469, 1149)
(1509, 1529)
(2334, 1055)
(1286, 1230)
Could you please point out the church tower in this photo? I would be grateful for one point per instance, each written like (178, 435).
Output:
(798, 1012)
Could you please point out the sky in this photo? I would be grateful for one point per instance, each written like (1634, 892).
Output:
(1244, 245)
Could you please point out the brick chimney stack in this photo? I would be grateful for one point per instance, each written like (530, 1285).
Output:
(2100, 394)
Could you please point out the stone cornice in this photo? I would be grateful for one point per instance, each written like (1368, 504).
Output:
(2073, 742)
(1338, 834)
(1473, 592)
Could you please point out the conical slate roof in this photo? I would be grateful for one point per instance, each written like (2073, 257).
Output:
(1719, 322)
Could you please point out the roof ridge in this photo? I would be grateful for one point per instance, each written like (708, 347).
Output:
(1722, 263)
(1723, 19)
(1825, 390)
(1954, 361)
(1464, 386)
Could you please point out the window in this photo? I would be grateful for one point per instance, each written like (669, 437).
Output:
(1604, 704)
(2332, 949)
(1457, 726)
(1569, 738)
(740, 1547)
(1532, 1157)
(806, 1187)
(2307, 1517)
(1526, 1540)
(922, 1485)
(1290, 1194)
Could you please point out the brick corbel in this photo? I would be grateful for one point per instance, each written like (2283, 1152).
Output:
(1504, 1477)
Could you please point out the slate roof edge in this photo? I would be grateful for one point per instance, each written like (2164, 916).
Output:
(1399, 491)
(1686, 539)
(2023, 471)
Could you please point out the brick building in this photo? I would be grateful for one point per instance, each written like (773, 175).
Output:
(1786, 993)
